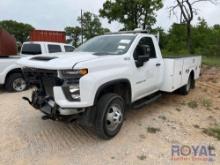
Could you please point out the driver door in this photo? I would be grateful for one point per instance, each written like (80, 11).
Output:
(145, 75)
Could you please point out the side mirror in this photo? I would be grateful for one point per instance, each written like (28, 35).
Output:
(141, 55)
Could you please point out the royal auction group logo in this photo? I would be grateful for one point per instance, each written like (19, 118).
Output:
(205, 153)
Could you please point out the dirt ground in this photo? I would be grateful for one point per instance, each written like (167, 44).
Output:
(146, 137)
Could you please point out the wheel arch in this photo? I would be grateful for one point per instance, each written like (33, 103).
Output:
(16, 70)
(118, 86)
(192, 73)
(192, 76)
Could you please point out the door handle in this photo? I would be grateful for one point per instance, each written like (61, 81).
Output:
(158, 64)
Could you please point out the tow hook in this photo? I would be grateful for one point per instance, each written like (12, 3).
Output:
(27, 99)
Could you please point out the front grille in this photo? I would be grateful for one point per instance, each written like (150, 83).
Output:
(43, 79)
(33, 72)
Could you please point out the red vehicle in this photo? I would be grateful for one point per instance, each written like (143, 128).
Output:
(7, 44)
(49, 36)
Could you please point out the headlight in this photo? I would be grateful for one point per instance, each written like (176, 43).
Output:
(72, 92)
(71, 83)
(74, 72)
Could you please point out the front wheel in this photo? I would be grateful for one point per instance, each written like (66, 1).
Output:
(15, 82)
(110, 115)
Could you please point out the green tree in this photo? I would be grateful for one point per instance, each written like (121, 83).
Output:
(206, 39)
(176, 39)
(201, 37)
(188, 11)
(91, 25)
(131, 13)
(21, 31)
(216, 39)
(75, 33)
(163, 36)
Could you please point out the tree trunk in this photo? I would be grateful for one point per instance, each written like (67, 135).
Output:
(144, 26)
(189, 38)
(135, 18)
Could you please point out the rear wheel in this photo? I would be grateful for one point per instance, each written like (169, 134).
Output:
(15, 82)
(185, 89)
(110, 115)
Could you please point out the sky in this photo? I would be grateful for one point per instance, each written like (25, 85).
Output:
(57, 14)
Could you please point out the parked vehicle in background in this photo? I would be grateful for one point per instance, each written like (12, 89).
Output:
(10, 73)
(104, 76)
(7, 44)
(41, 47)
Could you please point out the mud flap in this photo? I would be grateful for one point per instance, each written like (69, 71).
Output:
(88, 117)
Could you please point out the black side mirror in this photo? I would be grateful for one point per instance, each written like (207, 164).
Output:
(141, 55)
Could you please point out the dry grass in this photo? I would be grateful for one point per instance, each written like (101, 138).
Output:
(215, 132)
(192, 104)
(153, 130)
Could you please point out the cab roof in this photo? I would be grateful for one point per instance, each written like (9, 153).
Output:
(130, 32)
(45, 42)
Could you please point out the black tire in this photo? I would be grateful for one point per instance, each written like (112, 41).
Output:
(104, 107)
(193, 83)
(10, 81)
(186, 88)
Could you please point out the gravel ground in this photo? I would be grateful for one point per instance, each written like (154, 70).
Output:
(145, 138)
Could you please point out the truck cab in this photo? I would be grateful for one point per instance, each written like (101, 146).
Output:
(103, 77)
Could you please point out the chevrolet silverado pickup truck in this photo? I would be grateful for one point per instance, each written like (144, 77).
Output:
(10, 73)
(104, 77)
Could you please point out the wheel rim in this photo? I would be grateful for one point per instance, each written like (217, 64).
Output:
(19, 84)
(114, 117)
(188, 85)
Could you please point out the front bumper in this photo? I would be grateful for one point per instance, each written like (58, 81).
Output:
(50, 84)
(51, 109)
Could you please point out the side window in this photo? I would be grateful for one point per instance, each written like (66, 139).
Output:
(31, 49)
(54, 48)
(68, 48)
(147, 42)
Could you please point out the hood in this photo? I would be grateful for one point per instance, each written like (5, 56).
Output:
(56, 61)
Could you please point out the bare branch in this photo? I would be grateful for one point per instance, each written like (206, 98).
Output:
(214, 2)
(187, 12)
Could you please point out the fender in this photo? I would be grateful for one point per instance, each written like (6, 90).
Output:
(8, 70)
(109, 83)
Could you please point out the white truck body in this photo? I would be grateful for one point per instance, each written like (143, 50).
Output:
(135, 70)
(9, 65)
(176, 72)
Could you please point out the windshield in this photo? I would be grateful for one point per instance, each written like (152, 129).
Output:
(107, 44)
(31, 49)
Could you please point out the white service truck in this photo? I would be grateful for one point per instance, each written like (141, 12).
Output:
(10, 72)
(103, 77)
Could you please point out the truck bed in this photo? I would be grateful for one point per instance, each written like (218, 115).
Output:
(177, 70)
